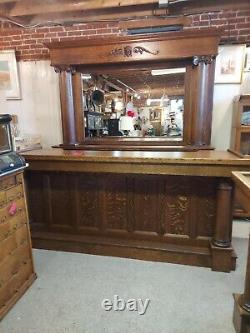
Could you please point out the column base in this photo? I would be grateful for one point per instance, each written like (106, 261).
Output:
(241, 318)
(223, 259)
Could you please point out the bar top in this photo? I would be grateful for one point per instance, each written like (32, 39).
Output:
(206, 157)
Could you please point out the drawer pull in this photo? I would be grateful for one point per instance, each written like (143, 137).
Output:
(12, 209)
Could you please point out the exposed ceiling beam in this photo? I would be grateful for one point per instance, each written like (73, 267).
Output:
(8, 1)
(66, 11)
(27, 7)
(121, 13)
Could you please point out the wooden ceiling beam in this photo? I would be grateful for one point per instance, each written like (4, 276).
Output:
(8, 1)
(28, 7)
(121, 13)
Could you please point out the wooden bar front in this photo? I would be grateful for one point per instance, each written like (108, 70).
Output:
(169, 206)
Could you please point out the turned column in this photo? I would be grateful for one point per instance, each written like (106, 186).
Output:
(224, 216)
(70, 84)
(202, 83)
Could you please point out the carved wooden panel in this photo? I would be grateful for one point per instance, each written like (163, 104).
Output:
(60, 201)
(115, 203)
(177, 192)
(88, 201)
(147, 205)
(206, 206)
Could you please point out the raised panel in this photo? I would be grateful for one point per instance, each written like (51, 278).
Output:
(177, 191)
(116, 202)
(146, 204)
(88, 201)
(59, 190)
(206, 206)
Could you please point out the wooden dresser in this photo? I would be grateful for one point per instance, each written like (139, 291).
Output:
(16, 263)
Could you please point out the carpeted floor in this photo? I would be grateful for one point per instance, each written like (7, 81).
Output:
(70, 288)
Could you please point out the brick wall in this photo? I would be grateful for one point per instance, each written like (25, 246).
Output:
(29, 42)
(236, 24)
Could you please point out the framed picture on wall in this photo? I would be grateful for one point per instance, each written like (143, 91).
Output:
(9, 80)
(247, 60)
(230, 63)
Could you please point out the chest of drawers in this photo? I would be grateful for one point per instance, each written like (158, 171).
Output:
(16, 263)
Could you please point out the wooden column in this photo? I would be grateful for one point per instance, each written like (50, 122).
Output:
(78, 107)
(67, 108)
(202, 87)
(221, 242)
(222, 236)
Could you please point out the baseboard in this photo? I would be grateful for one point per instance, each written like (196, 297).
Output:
(142, 250)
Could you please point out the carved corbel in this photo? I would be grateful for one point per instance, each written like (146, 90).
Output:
(197, 60)
(65, 68)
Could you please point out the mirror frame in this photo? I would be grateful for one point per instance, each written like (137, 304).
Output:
(194, 49)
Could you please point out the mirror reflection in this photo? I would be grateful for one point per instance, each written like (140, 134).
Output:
(134, 104)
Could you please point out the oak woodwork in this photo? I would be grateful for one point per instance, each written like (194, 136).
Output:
(195, 49)
(223, 215)
(241, 317)
(78, 107)
(67, 108)
(145, 205)
(16, 263)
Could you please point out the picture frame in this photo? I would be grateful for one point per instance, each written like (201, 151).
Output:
(230, 63)
(9, 78)
(247, 60)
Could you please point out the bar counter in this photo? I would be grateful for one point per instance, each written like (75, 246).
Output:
(163, 206)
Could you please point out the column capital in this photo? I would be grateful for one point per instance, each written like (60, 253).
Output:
(205, 59)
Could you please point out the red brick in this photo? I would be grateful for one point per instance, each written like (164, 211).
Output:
(55, 39)
(50, 34)
(243, 26)
(42, 30)
(56, 29)
(16, 37)
(243, 13)
(219, 21)
(227, 14)
(103, 31)
(237, 20)
(38, 35)
(62, 34)
(75, 33)
(16, 43)
(244, 32)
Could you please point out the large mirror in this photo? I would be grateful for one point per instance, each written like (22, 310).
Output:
(134, 104)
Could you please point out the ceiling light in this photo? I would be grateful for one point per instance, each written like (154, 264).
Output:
(168, 71)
